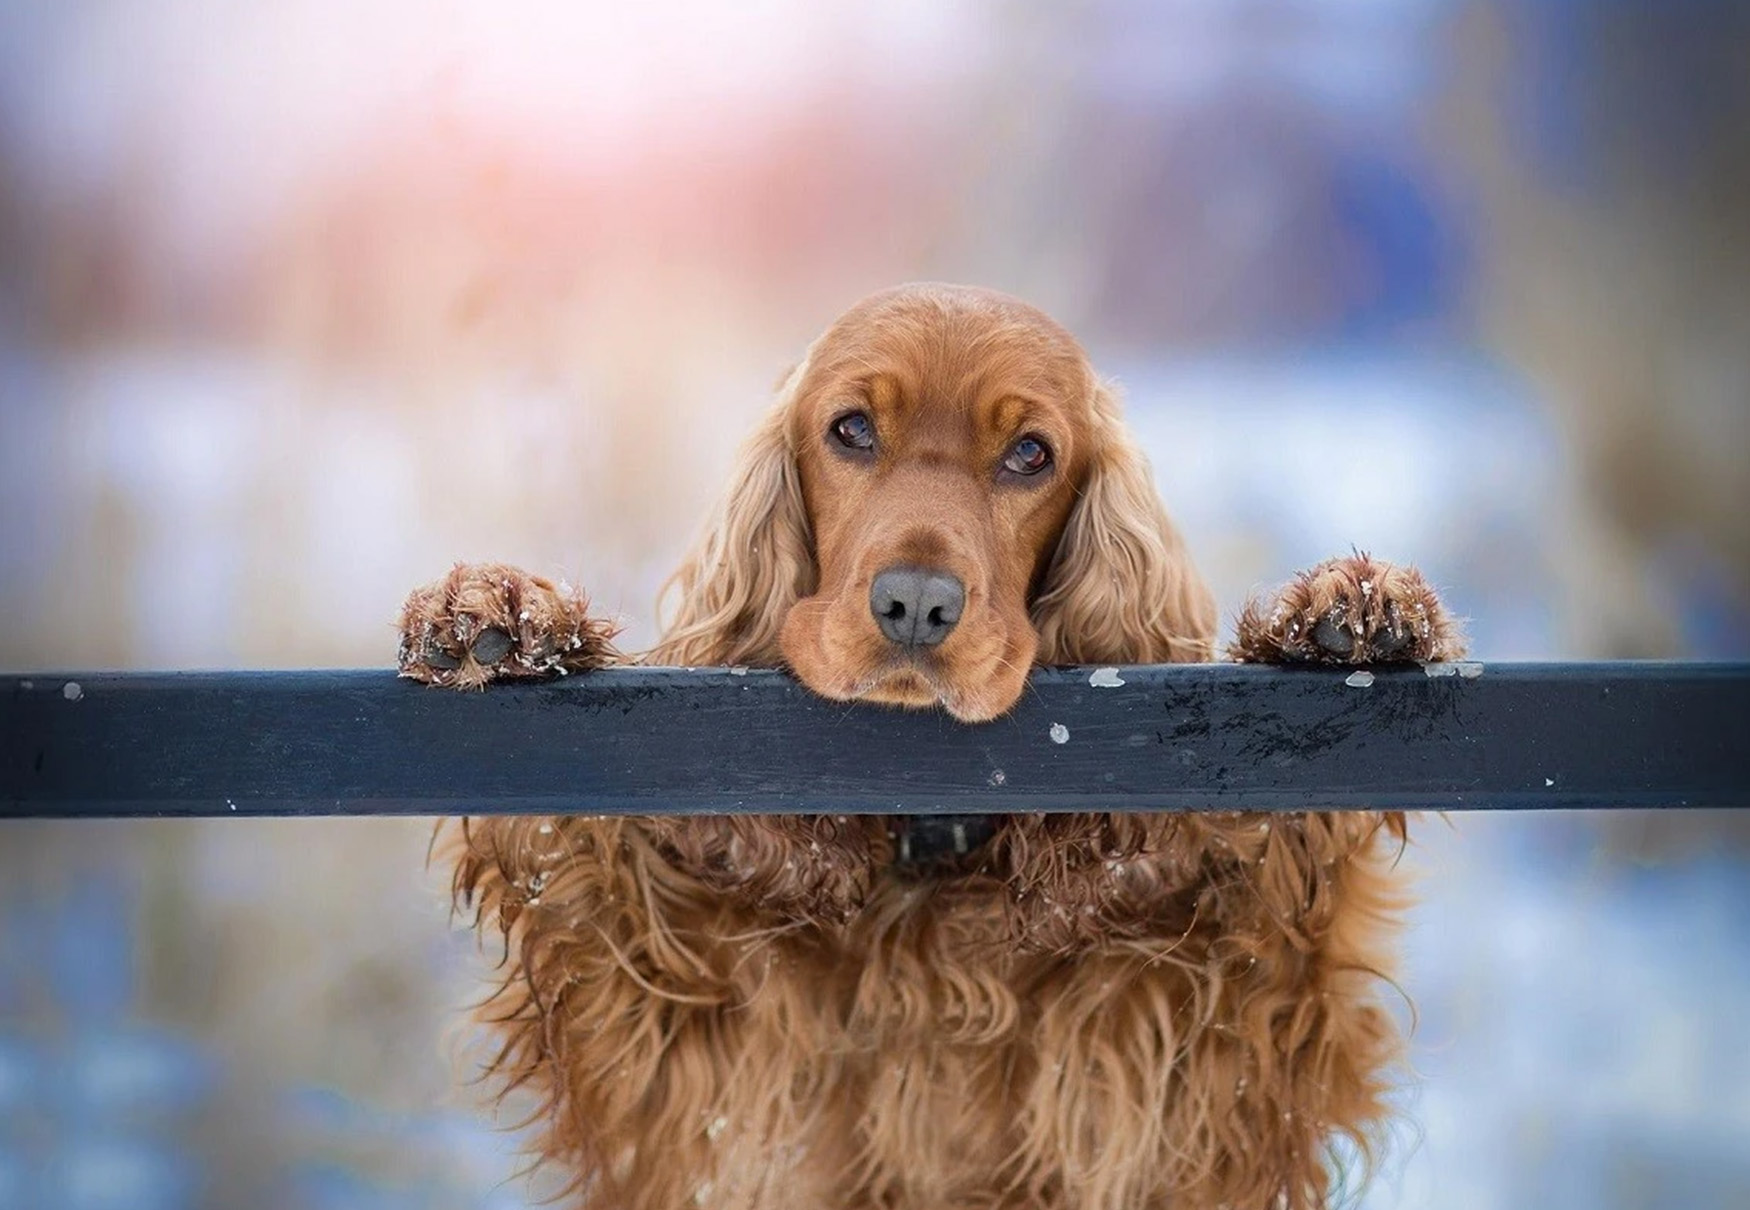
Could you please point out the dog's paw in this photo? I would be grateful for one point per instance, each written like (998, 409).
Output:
(1355, 610)
(487, 622)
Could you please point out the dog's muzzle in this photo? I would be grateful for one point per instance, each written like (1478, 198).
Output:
(924, 841)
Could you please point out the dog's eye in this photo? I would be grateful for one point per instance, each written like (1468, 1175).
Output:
(854, 432)
(1029, 457)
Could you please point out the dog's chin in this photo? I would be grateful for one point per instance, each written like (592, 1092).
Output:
(902, 687)
(916, 685)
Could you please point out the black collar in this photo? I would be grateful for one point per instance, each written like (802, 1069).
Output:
(920, 841)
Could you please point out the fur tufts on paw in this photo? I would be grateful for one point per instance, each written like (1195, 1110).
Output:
(1354, 610)
(488, 622)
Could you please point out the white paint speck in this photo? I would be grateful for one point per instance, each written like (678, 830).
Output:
(1359, 679)
(1470, 670)
(998, 777)
(1059, 733)
(738, 670)
(1549, 781)
(1105, 678)
(230, 804)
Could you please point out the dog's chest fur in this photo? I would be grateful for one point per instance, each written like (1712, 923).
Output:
(920, 1052)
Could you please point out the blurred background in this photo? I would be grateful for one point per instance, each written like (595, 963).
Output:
(303, 300)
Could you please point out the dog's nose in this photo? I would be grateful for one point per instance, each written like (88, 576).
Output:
(916, 606)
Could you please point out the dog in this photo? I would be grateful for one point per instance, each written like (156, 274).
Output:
(1069, 1011)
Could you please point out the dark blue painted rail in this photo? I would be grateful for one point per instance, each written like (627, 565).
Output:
(653, 740)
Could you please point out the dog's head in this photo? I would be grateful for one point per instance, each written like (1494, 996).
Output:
(943, 496)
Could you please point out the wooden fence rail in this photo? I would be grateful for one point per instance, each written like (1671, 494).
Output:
(654, 740)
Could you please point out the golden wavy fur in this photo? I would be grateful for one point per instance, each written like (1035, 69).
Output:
(1091, 1010)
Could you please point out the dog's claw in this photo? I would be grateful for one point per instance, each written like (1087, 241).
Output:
(436, 657)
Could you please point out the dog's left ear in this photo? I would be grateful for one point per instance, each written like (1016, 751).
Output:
(1121, 588)
(755, 560)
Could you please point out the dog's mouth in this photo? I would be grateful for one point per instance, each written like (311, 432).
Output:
(924, 844)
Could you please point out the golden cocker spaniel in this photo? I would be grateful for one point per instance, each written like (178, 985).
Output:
(1073, 1011)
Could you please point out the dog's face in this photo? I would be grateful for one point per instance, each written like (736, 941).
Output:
(940, 450)
(943, 496)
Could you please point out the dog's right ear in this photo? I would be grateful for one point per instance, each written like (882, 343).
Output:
(755, 560)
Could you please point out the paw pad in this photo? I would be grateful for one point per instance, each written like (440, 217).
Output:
(492, 645)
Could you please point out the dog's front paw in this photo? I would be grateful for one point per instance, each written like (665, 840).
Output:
(1355, 610)
(488, 621)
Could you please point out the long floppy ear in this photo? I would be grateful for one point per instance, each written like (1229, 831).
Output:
(755, 560)
(1121, 587)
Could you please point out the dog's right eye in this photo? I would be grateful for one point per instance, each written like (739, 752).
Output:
(854, 431)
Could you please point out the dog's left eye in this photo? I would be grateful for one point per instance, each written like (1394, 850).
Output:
(854, 432)
(1028, 457)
